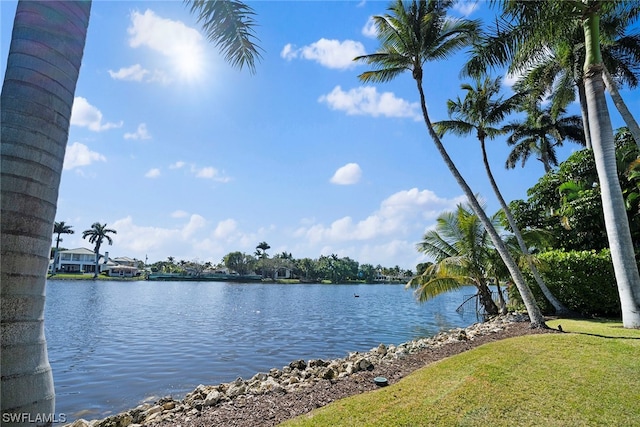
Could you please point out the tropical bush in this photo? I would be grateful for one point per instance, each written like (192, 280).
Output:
(583, 280)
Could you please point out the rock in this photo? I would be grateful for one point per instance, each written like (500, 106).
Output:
(120, 420)
(152, 417)
(260, 376)
(167, 406)
(382, 349)
(328, 374)
(364, 365)
(318, 363)
(298, 364)
(212, 398)
(274, 372)
(271, 385)
(235, 390)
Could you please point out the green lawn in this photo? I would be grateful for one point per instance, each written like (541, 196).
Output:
(89, 276)
(571, 379)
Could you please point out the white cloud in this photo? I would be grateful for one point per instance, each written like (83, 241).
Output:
(86, 115)
(510, 79)
(196, 222)
(140, 133)
(347, 175)
(466, 7)
(367, 101)
(133, 73)
(333, 54)
(398, 214)
(225, 228)
(369, 29)
(209, 172)
(152, 173)
(177, 165)
(182, 45)
(289, 52)
(189, 240)
(386, 236)
(78, 154)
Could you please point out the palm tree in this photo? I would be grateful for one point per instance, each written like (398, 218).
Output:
(35, 122)
(557, 69)
(540, 133)
(543, 23)
(37, 95)
(461, 249)
(480, 112)
(58, 229)
(97, 234)
(261, 250)
(410, 36)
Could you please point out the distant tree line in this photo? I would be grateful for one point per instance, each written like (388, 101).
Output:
(325, 268)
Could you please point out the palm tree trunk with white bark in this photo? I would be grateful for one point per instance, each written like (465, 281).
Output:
(46, 50)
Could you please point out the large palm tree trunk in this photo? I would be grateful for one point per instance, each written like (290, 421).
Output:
(559, 308)
(535, 315)
(37, 94)
(615, 215)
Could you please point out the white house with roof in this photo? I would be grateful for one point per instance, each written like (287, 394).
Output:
(82, 260)
(79, 260)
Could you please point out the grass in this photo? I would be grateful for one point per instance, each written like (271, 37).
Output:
(587, 377)
(89, 276)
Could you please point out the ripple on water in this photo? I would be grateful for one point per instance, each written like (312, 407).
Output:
(113, 345)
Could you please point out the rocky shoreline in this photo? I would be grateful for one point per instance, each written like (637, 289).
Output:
(267, 399)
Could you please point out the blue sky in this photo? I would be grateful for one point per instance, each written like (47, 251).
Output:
(188, 157)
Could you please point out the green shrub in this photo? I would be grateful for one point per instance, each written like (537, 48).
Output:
(582, 280)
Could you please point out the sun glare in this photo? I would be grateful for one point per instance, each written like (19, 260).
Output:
(190, 64)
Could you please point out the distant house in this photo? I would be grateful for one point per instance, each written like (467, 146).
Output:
(82, 260)
(282, 273)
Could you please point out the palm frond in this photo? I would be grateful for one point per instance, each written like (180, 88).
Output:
(434, 287)
(229, 24)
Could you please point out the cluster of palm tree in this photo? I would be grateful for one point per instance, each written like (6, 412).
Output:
(417, 32)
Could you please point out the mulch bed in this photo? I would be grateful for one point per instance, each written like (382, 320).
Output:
(273, 408)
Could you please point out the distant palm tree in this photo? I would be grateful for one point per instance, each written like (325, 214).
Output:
(58, 229)
(261, 250)
(97, 234)
(412, 34)
(539, 134)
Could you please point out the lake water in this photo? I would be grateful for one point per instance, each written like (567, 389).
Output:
(113, 345)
